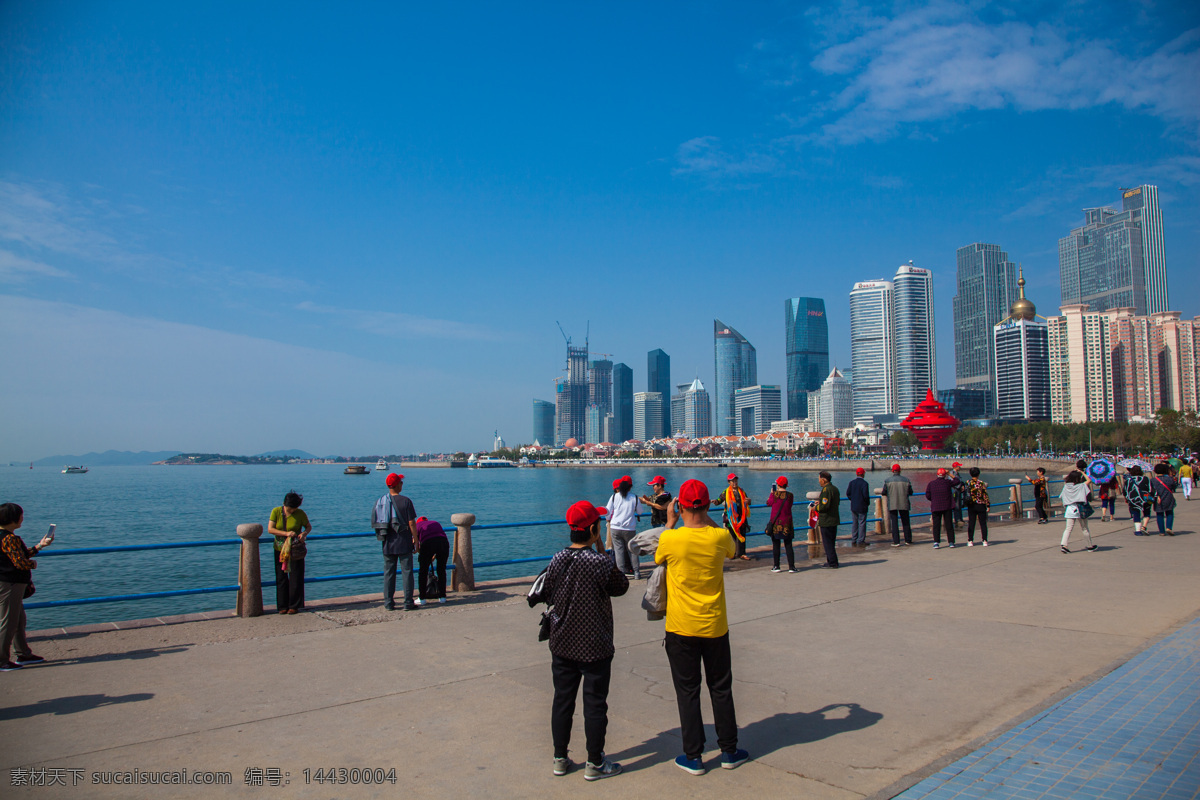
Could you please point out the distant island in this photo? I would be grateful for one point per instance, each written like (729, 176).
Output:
(218, 458)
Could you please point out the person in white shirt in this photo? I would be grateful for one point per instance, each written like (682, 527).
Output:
(622, 525)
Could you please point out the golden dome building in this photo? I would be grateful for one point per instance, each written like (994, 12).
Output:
(1022, 350)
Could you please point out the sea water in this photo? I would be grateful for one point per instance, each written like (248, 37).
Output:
(158, 504)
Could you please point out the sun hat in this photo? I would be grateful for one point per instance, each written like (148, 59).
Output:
(581, 515)
(693, 494)
(393, 479)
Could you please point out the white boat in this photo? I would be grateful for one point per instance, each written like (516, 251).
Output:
(381, 464)
(487, 462)
(74, 470)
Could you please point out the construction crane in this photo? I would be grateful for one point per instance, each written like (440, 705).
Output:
(564, 333)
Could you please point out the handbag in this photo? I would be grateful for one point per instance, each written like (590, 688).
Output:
(537, 594)
(29, 590)
(1085, 510)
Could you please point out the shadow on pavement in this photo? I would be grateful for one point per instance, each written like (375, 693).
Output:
(60, 706)
(129, 655)
(760, 738)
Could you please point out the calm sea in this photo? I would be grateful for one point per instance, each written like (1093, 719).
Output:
(151, 504)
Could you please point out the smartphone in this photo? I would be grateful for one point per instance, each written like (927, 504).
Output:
(50, 533)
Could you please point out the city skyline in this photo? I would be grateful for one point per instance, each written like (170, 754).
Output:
(384, 202)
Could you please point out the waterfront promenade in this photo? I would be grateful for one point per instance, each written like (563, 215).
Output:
(852, 683)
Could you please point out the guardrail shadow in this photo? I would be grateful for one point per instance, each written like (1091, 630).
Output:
(61, 706)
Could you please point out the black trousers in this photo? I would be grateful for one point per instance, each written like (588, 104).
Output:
(942, 518)
(433, 552)
(787, 543)
(829, 544)
(1039, 504)
(739, 546)
(685, 654)
(897, 518)
(289, 586)
(977, 511)
(567, 675)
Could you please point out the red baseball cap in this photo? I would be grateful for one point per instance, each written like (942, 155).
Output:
(941, 471)
(393, 479)
(731, 476)
(895, 467)
(623, 479)
(956, 464)
(693, 494)
(657, 479)
(581, 515)
(781, 481)
(860, 472)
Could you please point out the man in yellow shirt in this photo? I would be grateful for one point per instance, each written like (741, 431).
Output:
(1186, 478)
(697, 627)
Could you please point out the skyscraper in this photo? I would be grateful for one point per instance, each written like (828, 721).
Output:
(916, 354)
(986, 284)
(572, 396)
(543, 423)
(755, 408)
(600, 385)
(658, 379)
(622, 428)
(831, 407)
(735, 364)
(647, 415)
(1117, 260)
(806, 336)
(697, 411)
(677, 409)
(872, 338)
(1022, 362)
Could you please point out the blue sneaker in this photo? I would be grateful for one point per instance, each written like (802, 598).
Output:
(734, 760)
(693, 766)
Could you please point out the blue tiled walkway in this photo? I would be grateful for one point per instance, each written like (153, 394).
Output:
(1133, 734)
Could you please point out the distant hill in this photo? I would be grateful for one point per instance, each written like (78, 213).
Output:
(109, 458)
(285, 454)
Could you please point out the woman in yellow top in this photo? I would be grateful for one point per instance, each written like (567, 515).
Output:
(1186, 478)
(289, 525)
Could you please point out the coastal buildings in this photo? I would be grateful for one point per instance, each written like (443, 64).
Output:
(872, 345)
(755, 408)
(543, 422)
(1116, 259)
(647, 415)
(735, 365)
(915, 351)
(622, 424)
(986, 284)
(806, 340)
(1022, 361)
(658, 379)
(831, 407)
(1118, 366)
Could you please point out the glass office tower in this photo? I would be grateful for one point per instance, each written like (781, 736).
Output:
(735, 365)
(916, 354)
(658, 379)
(986, 284)
(543, 422)
(806, 338)
(622, 428)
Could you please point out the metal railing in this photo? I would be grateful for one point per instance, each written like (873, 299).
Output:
(79, 601)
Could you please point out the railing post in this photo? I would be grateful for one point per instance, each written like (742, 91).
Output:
(249, 599)
(464, 560)
(1015, 492)
(815, 550)
(881, 516)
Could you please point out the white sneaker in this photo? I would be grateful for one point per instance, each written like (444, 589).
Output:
(936, 545)
(985, 544)
(418, 602)
(970, 544)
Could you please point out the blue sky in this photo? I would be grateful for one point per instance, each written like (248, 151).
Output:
(245, 227)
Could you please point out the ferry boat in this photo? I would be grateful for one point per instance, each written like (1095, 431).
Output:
(71, 470)
(356, 469)
(487, 462)
(381, 464)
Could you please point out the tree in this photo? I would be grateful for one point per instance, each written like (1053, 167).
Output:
(903, 440)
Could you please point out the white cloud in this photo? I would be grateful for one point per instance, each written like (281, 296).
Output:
(394, 323)
(706, 156)
(14, 268)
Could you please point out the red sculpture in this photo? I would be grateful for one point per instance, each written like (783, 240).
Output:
(930, 423)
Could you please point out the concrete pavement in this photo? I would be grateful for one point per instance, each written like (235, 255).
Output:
(850, 683)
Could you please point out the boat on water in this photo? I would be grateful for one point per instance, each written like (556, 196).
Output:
(71, 470)
(381, 464)
(488, 462)
(356, 469)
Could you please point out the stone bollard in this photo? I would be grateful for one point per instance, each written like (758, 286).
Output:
(464, 560)
(1015, 493)
(881, 515)
(249, 599)
(815, 550)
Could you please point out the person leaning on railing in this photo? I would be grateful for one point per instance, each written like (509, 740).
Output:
(16, 578)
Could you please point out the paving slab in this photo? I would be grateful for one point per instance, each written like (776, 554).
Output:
(852, 683)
